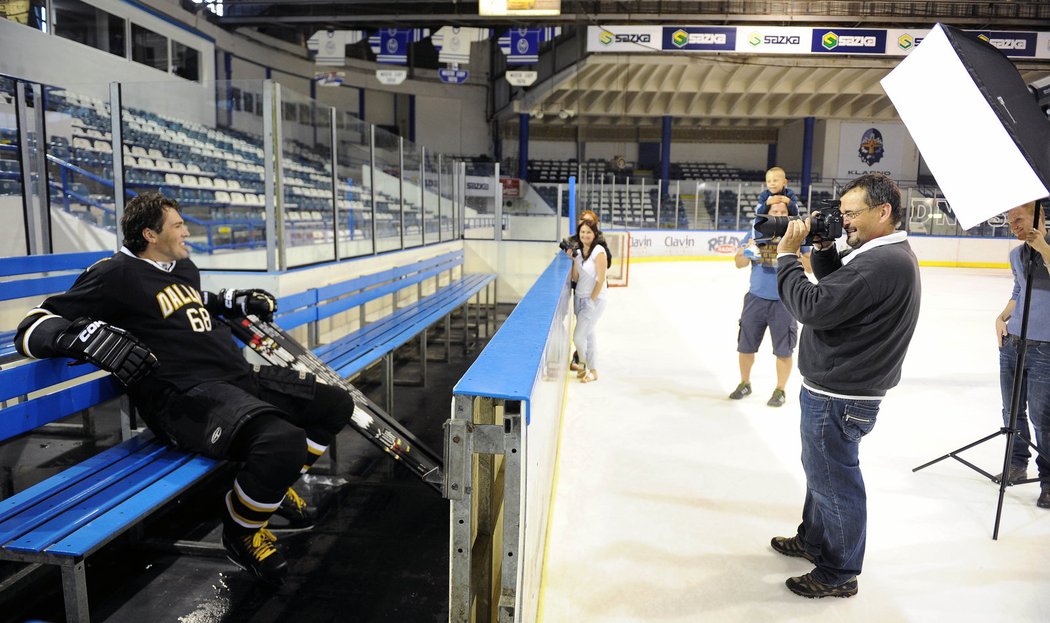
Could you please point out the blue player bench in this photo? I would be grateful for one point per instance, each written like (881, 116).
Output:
(377, 340)
(66, 518)
(69, 516)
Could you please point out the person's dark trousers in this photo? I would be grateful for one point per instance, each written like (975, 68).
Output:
(1035, 395)
(834, 516)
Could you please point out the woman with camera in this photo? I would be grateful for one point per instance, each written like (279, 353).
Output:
(591, 217)
(589, 265)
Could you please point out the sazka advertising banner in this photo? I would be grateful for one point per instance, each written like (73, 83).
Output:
(794, 40)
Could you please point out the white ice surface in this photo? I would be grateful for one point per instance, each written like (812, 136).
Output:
(668, 493)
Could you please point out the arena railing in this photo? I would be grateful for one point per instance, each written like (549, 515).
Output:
(500, 452)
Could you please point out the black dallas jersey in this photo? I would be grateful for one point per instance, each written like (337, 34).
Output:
(164, 310)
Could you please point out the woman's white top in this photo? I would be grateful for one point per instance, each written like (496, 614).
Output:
(588, 272)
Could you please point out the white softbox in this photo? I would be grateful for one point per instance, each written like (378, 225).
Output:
(975, 122)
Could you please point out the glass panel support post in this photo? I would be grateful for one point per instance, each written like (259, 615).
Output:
(401, 184)
(372, 183)
(116, 113)
(497, 195)
(335, 181)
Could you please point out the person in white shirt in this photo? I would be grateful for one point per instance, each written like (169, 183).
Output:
(589, 266)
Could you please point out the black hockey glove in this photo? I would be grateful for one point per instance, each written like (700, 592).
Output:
(110, 348)
(241, 303)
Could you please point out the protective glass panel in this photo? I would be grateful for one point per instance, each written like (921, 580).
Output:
(448, 207)
(306, 173)
(80, 168)
(355, 187)
(431, 198)
(13, 234)
(200, 148)
(387, 188)
(479, 201)
(412, 175)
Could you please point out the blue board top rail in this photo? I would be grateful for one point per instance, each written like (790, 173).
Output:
(507, 367)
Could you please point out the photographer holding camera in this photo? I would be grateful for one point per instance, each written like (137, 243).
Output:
(858, 320)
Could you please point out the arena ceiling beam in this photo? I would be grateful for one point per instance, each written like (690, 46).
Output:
(608, 92)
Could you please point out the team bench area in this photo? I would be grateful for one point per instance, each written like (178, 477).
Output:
(64, 519)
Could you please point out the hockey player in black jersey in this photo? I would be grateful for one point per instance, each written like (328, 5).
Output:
(141, 315)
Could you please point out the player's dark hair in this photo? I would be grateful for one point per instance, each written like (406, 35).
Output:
(144, 211)
(878, 189)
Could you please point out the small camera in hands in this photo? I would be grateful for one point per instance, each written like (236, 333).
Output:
(825, 224)
(569, 244)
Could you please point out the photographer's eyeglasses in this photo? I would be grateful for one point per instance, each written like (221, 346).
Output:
(852, 214)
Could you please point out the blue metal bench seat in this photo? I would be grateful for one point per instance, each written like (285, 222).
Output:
(353, 352)
(65, 518)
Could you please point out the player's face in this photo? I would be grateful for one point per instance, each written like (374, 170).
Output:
(169, 244)
(775, 181)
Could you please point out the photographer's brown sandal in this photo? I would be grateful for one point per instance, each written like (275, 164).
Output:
(589, 377)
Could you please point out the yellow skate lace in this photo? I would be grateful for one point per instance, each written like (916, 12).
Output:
(295, 499)
(260, 544)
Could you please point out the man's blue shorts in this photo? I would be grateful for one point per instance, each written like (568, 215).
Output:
(760, 313)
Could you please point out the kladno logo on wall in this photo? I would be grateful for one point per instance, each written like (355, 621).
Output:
(606, 37)
(871, 146)
(905, 41)
(680, 38)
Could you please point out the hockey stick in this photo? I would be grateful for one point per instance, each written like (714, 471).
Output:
(278, 348)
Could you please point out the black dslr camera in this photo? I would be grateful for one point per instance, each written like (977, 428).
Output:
(569, 244)
(825, 224)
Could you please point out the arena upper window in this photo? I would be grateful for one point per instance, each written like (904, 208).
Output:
(89, 25)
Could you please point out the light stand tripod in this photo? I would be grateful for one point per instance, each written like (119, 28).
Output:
(1013, 434)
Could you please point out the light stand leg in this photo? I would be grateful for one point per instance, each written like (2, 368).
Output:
(953, 453)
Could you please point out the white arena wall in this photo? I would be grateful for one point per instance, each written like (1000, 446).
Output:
(962, 252)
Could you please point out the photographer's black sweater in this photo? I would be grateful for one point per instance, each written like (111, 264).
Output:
(858, 319)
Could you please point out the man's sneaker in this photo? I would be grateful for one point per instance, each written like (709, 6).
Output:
(1014, 474)
(791, 546)
(806, 586)
(256, 554)
(744, 389)
(1044, 498)
(293, 515)
(777, 399)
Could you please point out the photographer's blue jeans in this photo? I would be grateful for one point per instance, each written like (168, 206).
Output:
(1035, 399)
(835, 513)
